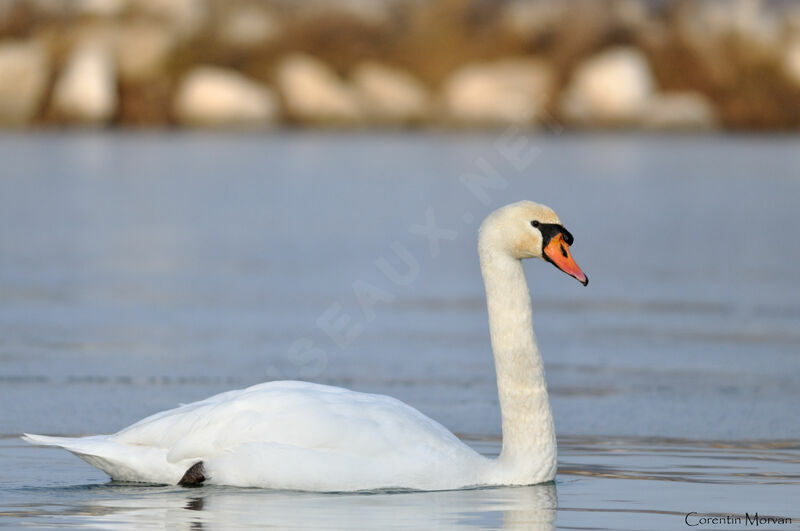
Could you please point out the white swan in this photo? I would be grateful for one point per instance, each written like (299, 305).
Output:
(304, 436)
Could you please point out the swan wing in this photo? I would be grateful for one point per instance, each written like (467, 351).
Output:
(292, 435)
(299, 414)
(298, 434)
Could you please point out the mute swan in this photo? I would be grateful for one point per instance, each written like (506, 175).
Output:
(305, 436)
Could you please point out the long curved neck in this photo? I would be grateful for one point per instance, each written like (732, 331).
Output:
(529, 440)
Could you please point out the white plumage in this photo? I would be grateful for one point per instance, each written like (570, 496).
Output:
(305, 436)
(286, 435)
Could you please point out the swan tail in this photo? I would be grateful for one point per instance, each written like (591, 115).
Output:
(122, 462)
(83, 445)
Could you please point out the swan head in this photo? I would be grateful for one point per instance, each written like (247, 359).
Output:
(529, 230)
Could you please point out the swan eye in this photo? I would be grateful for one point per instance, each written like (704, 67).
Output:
(535, 223)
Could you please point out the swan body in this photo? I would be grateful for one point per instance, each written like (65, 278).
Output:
(305, 436)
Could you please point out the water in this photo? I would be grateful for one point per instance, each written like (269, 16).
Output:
(138, 271)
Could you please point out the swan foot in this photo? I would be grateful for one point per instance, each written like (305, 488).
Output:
(194, 477)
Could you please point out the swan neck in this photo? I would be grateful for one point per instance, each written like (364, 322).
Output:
(529, 442)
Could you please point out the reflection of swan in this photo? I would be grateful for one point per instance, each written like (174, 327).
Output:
(296, 435)
(523, 508)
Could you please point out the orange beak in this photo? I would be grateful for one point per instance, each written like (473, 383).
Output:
(557, 252)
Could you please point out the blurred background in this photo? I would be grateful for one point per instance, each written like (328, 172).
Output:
(201, 193)
(659, 64)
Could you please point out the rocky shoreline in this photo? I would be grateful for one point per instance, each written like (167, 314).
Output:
(400, 63)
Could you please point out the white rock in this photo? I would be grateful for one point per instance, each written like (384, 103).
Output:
(389, 94)
(680, 111)
(612, 88)
(86, 90)
(791, 18)
(512, 90)
(364, 11)
(212, 96)
(791, 59)
(142, 51)
(752, 23)
(313, 92)
(51, 8)
(530, 19)
(24, 73)
(248, 26)
(186, 17)
(100, 8)
(631, 13)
